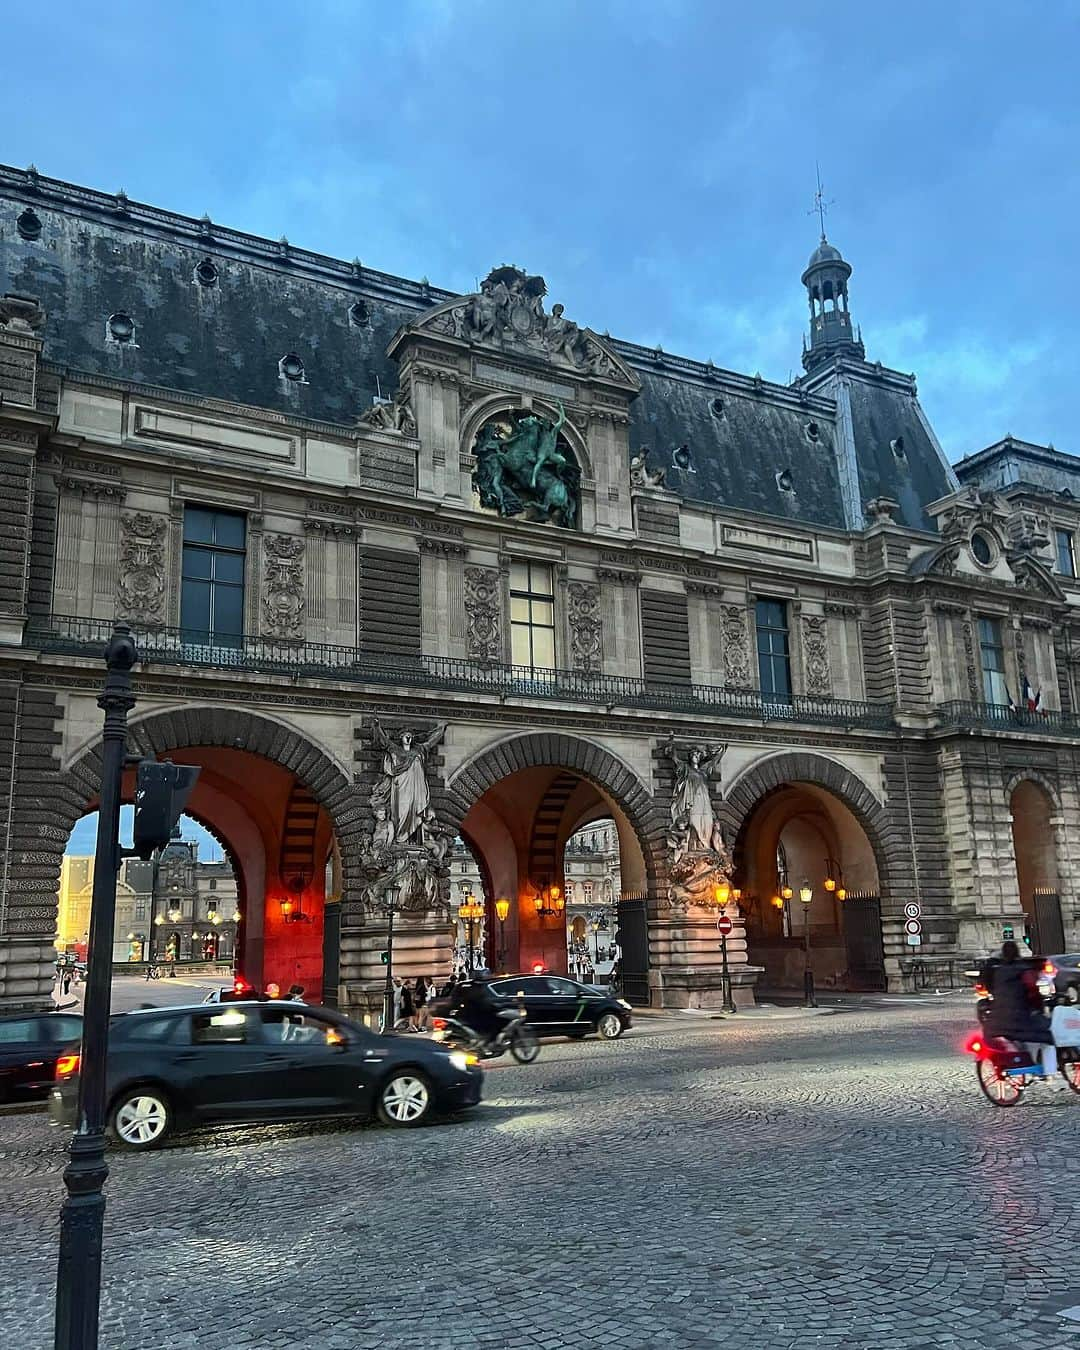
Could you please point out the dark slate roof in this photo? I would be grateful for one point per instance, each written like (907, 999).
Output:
(739, 450)
(97, 255)
(883, 413)
(222, 341)
(1021, 464)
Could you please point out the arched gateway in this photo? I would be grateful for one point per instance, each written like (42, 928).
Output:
(282, 808)
(516, 803)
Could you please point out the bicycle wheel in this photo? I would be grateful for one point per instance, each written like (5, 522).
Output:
(524, 1045)
(997, 1086)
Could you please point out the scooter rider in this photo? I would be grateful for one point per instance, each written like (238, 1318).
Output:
(1017, 1012)
(475, 1005)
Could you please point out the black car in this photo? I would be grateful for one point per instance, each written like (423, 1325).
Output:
(555, 1005)
(30, 1045)
(175, 1068)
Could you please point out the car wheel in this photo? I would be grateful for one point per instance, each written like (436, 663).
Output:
(405, 1099)
(610, 1026)
(141, 1118)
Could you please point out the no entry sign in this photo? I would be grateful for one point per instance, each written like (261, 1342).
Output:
(724, 925)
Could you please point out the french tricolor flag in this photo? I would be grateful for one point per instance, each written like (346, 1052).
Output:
(1032, 701)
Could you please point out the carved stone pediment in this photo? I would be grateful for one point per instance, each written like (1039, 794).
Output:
(507, 315)
(1033, 575)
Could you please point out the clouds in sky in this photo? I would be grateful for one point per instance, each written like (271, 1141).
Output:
(655, 161)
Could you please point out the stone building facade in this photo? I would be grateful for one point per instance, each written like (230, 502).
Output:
(405, 565)
(174, 907)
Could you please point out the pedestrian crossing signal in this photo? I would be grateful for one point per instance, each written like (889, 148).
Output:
(384, 957)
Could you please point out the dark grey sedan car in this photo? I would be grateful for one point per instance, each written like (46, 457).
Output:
(30, 1045)
(175, 1068)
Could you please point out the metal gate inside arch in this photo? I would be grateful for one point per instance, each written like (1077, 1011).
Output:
(863, 942)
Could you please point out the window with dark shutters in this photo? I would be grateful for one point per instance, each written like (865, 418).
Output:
(665, 637)
(389, 602)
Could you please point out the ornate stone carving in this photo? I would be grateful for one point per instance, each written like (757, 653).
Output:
(699, 857)
(641, 476)
(586, 646)
(407, 849)
(21, 314)
(970, 666)
(141, 592)
(508, 311)
(736, 647)
(283, 585)
(483, 610)
(396, 416)
(815, 642)
(881, 510)
(524, 468)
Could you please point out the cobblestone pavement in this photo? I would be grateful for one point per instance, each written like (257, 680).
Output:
(835, 1180)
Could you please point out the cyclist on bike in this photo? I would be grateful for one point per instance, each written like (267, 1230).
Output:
(1017, 1012)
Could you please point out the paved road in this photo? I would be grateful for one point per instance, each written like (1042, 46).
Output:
(819, 1181)
(130, 991)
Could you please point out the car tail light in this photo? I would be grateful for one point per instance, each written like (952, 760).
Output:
(240, 985)
(439, 1023)
(1049, 968)
(981, 990)
(66, 1065)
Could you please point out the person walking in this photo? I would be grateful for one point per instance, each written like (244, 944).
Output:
(406, 1015)
(396, 1009)
(421, 1013)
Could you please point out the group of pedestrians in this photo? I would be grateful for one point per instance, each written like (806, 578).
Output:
(412, 1002)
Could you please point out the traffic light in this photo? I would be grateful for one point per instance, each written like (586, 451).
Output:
(384, 957)
(161, 793)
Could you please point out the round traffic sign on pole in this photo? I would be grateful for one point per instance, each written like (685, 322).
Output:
(913, 926)
(912, 910)
(724, 925)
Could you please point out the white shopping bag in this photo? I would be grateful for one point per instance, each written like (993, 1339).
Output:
(1065, 1026)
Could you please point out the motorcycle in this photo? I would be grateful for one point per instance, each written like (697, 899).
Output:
(515, 1035)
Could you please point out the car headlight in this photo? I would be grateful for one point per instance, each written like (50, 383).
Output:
(623, 1004)
(459, 1060)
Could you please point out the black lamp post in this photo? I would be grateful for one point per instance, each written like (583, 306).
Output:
(806, 895)
(390, 900)
(502, 912)
(78, 1276)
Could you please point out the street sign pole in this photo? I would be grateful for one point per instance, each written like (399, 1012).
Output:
(78, 1277)
(724, 927)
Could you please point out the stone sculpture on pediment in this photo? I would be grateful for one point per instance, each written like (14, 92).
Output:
(641, 476)
(395, 415)
(508, 312)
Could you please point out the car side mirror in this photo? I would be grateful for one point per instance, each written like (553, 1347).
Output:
(337, 1040)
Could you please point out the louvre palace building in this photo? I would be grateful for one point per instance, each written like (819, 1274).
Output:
(410, 570)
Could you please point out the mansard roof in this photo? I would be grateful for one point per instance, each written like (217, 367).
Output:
(215, 311)
(1022, 465)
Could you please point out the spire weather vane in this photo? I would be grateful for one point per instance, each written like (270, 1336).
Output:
(821, 206)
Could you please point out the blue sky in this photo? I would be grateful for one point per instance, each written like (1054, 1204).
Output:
(654, 159)
(82, 842)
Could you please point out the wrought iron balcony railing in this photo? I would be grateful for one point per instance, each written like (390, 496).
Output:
(1000, 717)
(321, 660)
